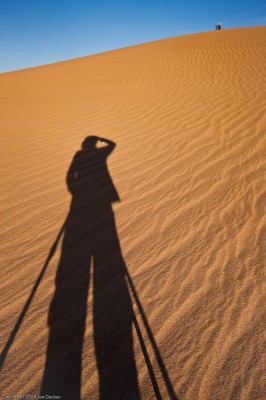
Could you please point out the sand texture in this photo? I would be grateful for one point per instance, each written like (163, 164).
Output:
(133, 267)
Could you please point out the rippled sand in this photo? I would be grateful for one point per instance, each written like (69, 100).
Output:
(187, 115)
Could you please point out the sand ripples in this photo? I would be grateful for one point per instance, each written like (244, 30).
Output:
(188, 117)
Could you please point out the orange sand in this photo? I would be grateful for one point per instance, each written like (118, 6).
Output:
(187, 115)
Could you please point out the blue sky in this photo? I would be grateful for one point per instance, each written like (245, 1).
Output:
(36, 32)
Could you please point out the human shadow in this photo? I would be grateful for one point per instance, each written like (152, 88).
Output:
(91, 247)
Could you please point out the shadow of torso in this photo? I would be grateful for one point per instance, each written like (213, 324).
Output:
(88, 177)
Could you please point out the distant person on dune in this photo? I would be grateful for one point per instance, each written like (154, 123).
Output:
(218, 26)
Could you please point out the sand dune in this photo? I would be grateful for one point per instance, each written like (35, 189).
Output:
(155, 288)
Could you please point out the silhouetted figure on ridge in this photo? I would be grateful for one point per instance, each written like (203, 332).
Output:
(91, 241)
(218, 26)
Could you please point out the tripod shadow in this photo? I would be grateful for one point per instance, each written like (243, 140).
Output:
(91, 243)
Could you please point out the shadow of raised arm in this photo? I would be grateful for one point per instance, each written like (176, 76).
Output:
(110, 145)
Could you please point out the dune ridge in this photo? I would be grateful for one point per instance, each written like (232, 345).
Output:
(187, 115)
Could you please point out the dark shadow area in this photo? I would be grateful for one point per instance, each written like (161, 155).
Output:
(90, 240)
(91, 247)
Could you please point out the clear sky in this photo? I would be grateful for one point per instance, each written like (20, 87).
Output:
(36, 32)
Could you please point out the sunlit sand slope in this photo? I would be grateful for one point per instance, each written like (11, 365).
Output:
(187, 115)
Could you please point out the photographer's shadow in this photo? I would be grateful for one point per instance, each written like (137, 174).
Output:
(91, 241)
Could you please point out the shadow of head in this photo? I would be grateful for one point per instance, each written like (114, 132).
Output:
(89, 142)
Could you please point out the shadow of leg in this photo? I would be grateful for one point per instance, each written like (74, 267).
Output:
(113, 317)
(67, 316)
